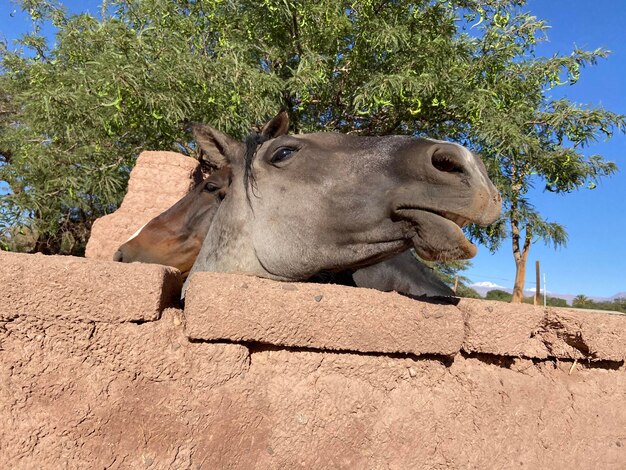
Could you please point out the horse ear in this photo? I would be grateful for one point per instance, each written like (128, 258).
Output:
(279, 125)
(219, 149)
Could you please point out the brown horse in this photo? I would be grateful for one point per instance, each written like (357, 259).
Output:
(174, 237)
(310, 203)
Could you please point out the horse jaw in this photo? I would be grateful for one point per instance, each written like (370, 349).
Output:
(437, 238)
(228, 245)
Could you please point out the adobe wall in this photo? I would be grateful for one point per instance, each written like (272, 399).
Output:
(100, 368)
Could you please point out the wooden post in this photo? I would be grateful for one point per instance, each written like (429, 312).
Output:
(538, 285)
(456, 283)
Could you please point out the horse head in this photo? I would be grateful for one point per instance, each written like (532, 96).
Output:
(308, 203)
(174, 237)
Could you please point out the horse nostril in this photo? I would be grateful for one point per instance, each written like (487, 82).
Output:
(447, 162)
(118, 256)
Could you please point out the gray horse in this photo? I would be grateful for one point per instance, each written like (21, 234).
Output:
(303, 204)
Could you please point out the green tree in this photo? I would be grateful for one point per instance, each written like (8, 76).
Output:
(466, 291)
(79, 111)
(498, 294)
(616, 305)
(619, 304)
(581, 301)
(556, 302)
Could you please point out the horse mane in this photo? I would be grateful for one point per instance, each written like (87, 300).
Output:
(252, 141)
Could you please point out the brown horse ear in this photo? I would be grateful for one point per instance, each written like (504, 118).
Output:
(279, 125)
(218, 149)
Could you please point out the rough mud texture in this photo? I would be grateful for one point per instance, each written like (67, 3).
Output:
(90, 394)
(521, 388)
(65, 286)
(319, 316)
(157, 181)
(536, 332)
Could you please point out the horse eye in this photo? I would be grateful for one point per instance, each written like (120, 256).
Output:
(282, 154)
(211, 188)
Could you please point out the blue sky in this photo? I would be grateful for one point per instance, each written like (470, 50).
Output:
(594, 259)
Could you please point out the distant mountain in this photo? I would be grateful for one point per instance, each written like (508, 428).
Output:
(483, 287)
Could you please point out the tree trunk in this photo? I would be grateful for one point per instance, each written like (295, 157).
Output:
(520, 267)
(520, 279)
(520, 254)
